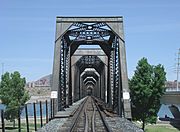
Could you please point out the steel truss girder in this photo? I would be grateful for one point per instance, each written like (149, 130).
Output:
(64, 76)
(75, 27)
(90, 73)
(89, 32)
(90, 82)
(89, 79)
(69, 81)
(89, 61)
(117, 88)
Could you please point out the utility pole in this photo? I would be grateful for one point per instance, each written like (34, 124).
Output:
(2, 69)
(178, 69)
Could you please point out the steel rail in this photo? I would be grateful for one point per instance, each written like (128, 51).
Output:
(74, 122)
(108, 129)
(93, 119)
(86, 121)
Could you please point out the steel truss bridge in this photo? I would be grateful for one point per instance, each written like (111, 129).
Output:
(98, 72)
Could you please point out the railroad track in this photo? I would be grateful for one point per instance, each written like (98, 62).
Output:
(89, 119)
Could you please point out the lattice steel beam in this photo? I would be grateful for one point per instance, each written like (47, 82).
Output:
(89, 79)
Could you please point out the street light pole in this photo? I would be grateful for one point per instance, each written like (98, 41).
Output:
(178, 69)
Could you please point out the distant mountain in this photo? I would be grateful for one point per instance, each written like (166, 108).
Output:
(45, 81)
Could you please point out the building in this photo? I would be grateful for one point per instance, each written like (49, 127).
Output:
(172, 86)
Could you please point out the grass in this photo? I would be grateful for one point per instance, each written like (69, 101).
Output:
(161, 128)
(9, 126)
(148, 128)
(23, 128)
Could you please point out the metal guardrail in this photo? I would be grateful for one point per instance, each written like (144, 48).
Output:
(47, 116)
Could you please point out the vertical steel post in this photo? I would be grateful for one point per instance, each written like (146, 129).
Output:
(2, 121)
(60, 90)
(120, 103)
(40, 105)
(99, 89)
(27, 122)
(114, 76)
(117, 97)
(19, 119)
(109, 101)
(62, 87)
(64, 74)
(111, 74)
(35, 123)
(78, 84)
(51, 107)
(70, 79)
(47, 112)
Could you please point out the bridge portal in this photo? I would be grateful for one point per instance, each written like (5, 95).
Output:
(98, 72)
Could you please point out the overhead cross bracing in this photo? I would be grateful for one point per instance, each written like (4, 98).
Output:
(90, 61)
(98, 72)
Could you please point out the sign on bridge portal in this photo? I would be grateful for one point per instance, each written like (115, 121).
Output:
(54, 94)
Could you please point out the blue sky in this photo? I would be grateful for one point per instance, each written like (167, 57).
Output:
(27, 31)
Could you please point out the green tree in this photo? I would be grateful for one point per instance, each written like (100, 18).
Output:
(147, 86)
(13, 94)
